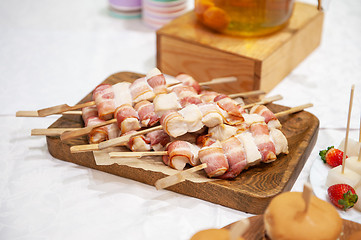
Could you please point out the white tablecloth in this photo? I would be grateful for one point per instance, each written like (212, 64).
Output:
(55, 52)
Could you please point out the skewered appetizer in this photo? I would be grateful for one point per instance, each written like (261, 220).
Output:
(235, 139)
(225, 137)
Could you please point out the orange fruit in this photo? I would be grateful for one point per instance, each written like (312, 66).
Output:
(216, 18)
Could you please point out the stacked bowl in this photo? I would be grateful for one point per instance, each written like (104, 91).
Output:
(156, 13)
(125, 8)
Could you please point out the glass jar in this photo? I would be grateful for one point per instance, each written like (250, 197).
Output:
(247, 18)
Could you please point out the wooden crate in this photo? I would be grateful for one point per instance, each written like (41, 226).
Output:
(186, 46)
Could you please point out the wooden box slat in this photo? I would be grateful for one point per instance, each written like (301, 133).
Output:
(184, 45)
(250, 192)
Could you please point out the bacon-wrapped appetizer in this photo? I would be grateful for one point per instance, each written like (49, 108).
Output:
(87, 112)
(122, 94)
(187, 80)
(253, 155)
(236, 157)
(103, 95)
(180, 153)
(140, 90)
(268, 115)
(263, 141)
(186, 95)
(173, 123)
(229, 105)
(192, 117)
(215, 158)
(127, 118)
(158, 140)
(99, 134)
(211, 114)
(156, 80)
(147, 115)
(208, 96)
(279, 140)
(165, 102)
(139, 143)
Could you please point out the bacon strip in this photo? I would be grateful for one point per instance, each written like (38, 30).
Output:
(211, 114)
(157, 81)
(187, 80)
(187, 95)
(165, 102)
(88, 112)
(158, 140)
(99, 134)
(127, 118)
(229, 105)
(122, 94)
(280, 141)
(140, 90)
(268, 115)
(208, 96)
(179, 154)
(263, 141)
(173, 123)
(236, 157)
(139, 143)
(215, 158)
(103, 96)
(192, 117)
(146, 113)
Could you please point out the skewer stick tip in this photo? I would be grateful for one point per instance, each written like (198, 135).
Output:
(177, 178)
(239, 228)
(307, 194)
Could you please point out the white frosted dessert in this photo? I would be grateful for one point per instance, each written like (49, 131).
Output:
(354, 164)
(335, 176)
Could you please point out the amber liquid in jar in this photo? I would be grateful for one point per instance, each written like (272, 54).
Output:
(249, 18)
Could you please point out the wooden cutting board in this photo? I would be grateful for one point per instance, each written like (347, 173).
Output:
(256, 229)
(250, 192)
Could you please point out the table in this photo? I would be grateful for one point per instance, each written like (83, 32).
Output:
(55, 52)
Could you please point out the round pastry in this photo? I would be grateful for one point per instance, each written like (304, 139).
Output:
(355, 236)
(285, 218)
(213, 234)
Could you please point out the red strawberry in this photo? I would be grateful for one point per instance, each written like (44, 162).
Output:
(342, 196)
(332, 156)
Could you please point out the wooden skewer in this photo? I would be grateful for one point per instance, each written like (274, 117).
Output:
(62, 108)
(84, 148)
(294, 110)
(264, 101)
(306, 195)
(112, 142)
(124, 139)
(177, 178)
(35, 113)
(348, 128)
(359, 136)
(136, 154)
(85, 130)
(359, 155)
(50, 131)
(239, 228)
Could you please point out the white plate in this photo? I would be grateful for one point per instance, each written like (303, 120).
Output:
(318, 176)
